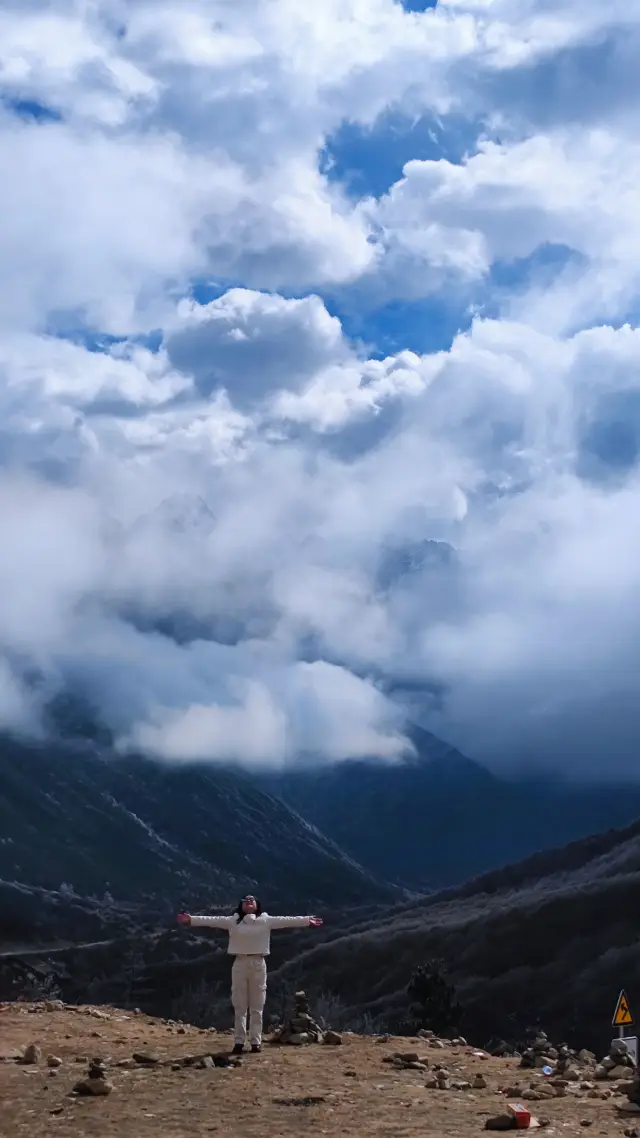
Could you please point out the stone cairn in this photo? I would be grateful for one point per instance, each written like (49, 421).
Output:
(617, 1064)
(540, 1053)
(301, 1027)
(96, 1081)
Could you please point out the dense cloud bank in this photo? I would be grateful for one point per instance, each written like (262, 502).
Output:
(238, 530)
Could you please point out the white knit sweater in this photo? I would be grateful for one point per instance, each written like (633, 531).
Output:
(252, 935)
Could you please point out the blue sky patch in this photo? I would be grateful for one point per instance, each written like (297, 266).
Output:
(426, 325)
(417, 5)
(30, 109)
(367, 161)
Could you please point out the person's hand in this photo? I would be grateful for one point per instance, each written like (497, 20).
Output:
(184, 918)
(315, 922)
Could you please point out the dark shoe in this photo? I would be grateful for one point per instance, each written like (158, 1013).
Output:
(238, 1048)
(256, 1048)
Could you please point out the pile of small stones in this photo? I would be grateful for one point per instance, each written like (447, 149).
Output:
(541, 1053)
(617, 1064)
(96, 1082)
(302, 1028)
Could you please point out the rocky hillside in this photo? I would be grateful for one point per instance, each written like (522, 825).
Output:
(82, 1070)
(139, 830)
(551, 940)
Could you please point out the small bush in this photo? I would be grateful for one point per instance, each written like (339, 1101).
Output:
(433, 1004)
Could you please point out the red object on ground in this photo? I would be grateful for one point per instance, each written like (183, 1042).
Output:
(521, 1115)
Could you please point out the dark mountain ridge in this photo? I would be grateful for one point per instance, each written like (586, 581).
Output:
(74, 814)
(437, 818)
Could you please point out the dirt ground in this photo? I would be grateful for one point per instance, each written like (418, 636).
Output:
(349, 1090)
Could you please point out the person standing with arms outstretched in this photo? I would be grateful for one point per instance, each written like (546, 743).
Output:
(249, 943)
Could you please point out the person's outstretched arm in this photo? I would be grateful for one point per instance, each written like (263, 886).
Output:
(206, 921)
(294, 922)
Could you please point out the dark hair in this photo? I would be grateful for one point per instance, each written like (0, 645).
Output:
(242, 914)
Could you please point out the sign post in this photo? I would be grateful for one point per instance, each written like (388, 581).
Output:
(622, 1018)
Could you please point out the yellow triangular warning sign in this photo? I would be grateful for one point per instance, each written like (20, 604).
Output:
(622, 1016)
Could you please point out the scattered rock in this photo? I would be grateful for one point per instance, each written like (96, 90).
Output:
(480, 1083)
(407, 1061)
(585, 1057)
(145, 1059)
(31, 1054)
(332, 1038)
(571, 1074)
(93, 1087)
(197, 1061)
(310, 1100)
(501, 1122)
(619, 1073)
(53, 1061)
(547, 1090)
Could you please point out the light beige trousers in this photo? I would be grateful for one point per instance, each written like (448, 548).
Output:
(248, 994)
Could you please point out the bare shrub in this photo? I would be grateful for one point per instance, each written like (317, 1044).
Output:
(332, 1013)
(205, 1004)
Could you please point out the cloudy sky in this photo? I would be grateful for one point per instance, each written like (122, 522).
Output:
(320, 375)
